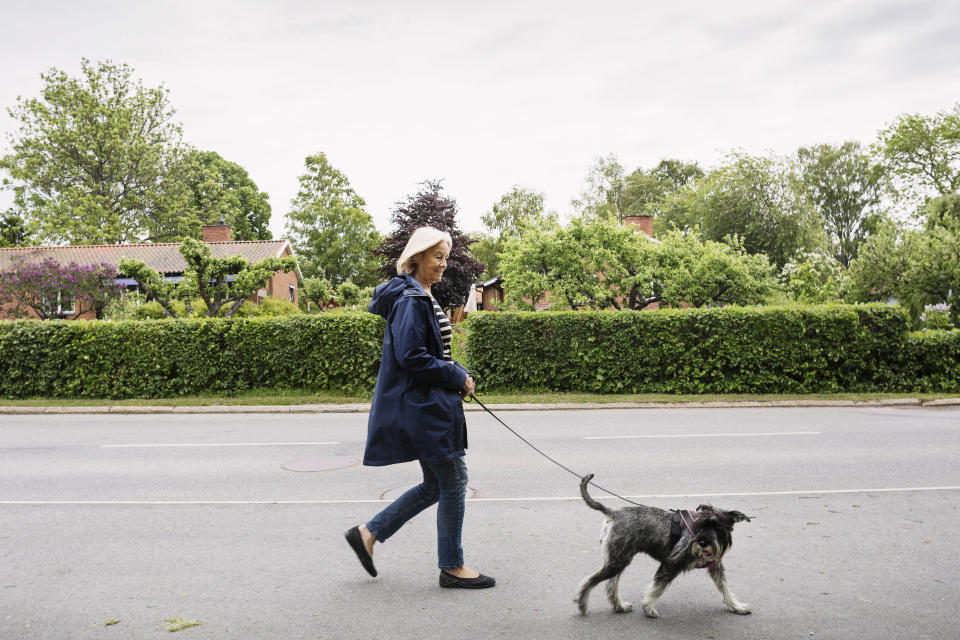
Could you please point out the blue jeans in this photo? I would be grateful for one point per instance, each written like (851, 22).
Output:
(443, 484)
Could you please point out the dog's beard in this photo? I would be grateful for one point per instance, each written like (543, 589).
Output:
(707, 553)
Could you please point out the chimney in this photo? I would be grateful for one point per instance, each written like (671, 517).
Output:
(219, 232)
(643, 223)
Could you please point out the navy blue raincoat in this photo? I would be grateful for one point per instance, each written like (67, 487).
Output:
(417, 413)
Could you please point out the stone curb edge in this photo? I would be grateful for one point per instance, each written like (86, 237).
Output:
(562, 406)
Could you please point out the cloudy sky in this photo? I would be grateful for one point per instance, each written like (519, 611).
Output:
(486, 95)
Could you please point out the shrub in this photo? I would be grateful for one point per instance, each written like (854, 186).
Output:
(174, 357)
(720, 350)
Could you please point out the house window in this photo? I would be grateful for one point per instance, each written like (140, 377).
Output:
(293, 293)
(65, 305)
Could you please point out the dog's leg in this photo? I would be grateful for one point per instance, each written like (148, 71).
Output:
(661, 580)
(583, 591)
(613, 594)
(719, 578)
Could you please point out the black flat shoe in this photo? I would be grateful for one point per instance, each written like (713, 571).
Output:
(356, 543)
(449, 581)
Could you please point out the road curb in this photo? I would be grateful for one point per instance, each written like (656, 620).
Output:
(559, 406)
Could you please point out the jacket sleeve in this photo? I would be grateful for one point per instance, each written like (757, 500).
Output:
(409, 333)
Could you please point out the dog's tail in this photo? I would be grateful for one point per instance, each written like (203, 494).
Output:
(593, 504)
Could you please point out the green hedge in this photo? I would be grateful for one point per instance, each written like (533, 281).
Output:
(932, 361)
(724, 350)
(164, 358)
(727, 350)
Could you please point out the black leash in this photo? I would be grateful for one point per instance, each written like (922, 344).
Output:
(532, 446)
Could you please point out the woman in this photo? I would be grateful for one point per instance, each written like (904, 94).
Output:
(417, 412)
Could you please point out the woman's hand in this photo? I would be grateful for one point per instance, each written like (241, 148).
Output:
(468, 386)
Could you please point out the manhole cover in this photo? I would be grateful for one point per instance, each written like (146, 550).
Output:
(393, 494)
(320, 463)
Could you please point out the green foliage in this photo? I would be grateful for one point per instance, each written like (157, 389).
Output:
(932, 361)
(208, 278)
(845, 187)
(317, 291)
(97, 159)
(150, 359)
(917, 268)
(645, 191)
(924, 152)
(220, 189)
(517, 211)
(728, 350)
(598, 264)
(813, 278)
(752, 198)
(331, 233)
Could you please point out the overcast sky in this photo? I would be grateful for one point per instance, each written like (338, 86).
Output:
(486, 95)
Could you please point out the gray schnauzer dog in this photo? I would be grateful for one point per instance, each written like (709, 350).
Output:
(678, 540)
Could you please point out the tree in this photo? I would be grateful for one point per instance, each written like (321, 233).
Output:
(50, 289)
(218, 282)
(517, 210)
(333, 235)
(598, 264)
(846, 189)
(602, 194)
(924, 152)
(430, 207)
(97, 159)
(813, 278)
(916, 268)
(318, 291)
(942, 212)
(13, 231)
(752, 198)
(220, 189)
(646, 191)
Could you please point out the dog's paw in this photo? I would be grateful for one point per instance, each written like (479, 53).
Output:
(623, 607)
(650, 612)
(581, 606)
(740, 608)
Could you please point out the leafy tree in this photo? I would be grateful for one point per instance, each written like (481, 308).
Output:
(597, 264)
(218, 282)
(924, 151)
(13, 231)
(752, 198)
(603, 190)
(942, 212)
(430, 207)
(917, 268)
(97, 159)
(846, 189)
(317, 291)
(220, 189)
(645, 191)
(517, 210)
(49, 289)
(333, 235)
(813, 278)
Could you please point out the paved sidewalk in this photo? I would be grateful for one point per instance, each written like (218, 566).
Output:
(560, 406)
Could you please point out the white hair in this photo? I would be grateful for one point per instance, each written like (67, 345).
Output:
(422, 239)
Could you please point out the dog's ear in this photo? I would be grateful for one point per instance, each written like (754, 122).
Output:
(730, 518)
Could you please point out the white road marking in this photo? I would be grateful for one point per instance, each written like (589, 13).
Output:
(706, 435)
(217, 444)
(815, 492)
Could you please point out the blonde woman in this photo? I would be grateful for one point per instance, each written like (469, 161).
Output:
(417, 412)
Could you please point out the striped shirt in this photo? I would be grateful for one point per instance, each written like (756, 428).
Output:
(446, 331)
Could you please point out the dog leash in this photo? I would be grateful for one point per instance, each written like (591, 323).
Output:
(473, 398)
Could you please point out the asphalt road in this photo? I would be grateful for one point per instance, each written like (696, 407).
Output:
(147, 517)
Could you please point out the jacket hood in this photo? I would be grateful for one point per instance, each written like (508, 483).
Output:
(387, 293)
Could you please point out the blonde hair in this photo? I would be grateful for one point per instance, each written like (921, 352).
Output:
(422, 239)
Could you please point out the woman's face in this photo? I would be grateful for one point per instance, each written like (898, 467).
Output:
(431, 264)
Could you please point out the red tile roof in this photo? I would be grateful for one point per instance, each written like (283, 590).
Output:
(164, 257)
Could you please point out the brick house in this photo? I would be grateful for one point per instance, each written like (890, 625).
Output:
(165, 258)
